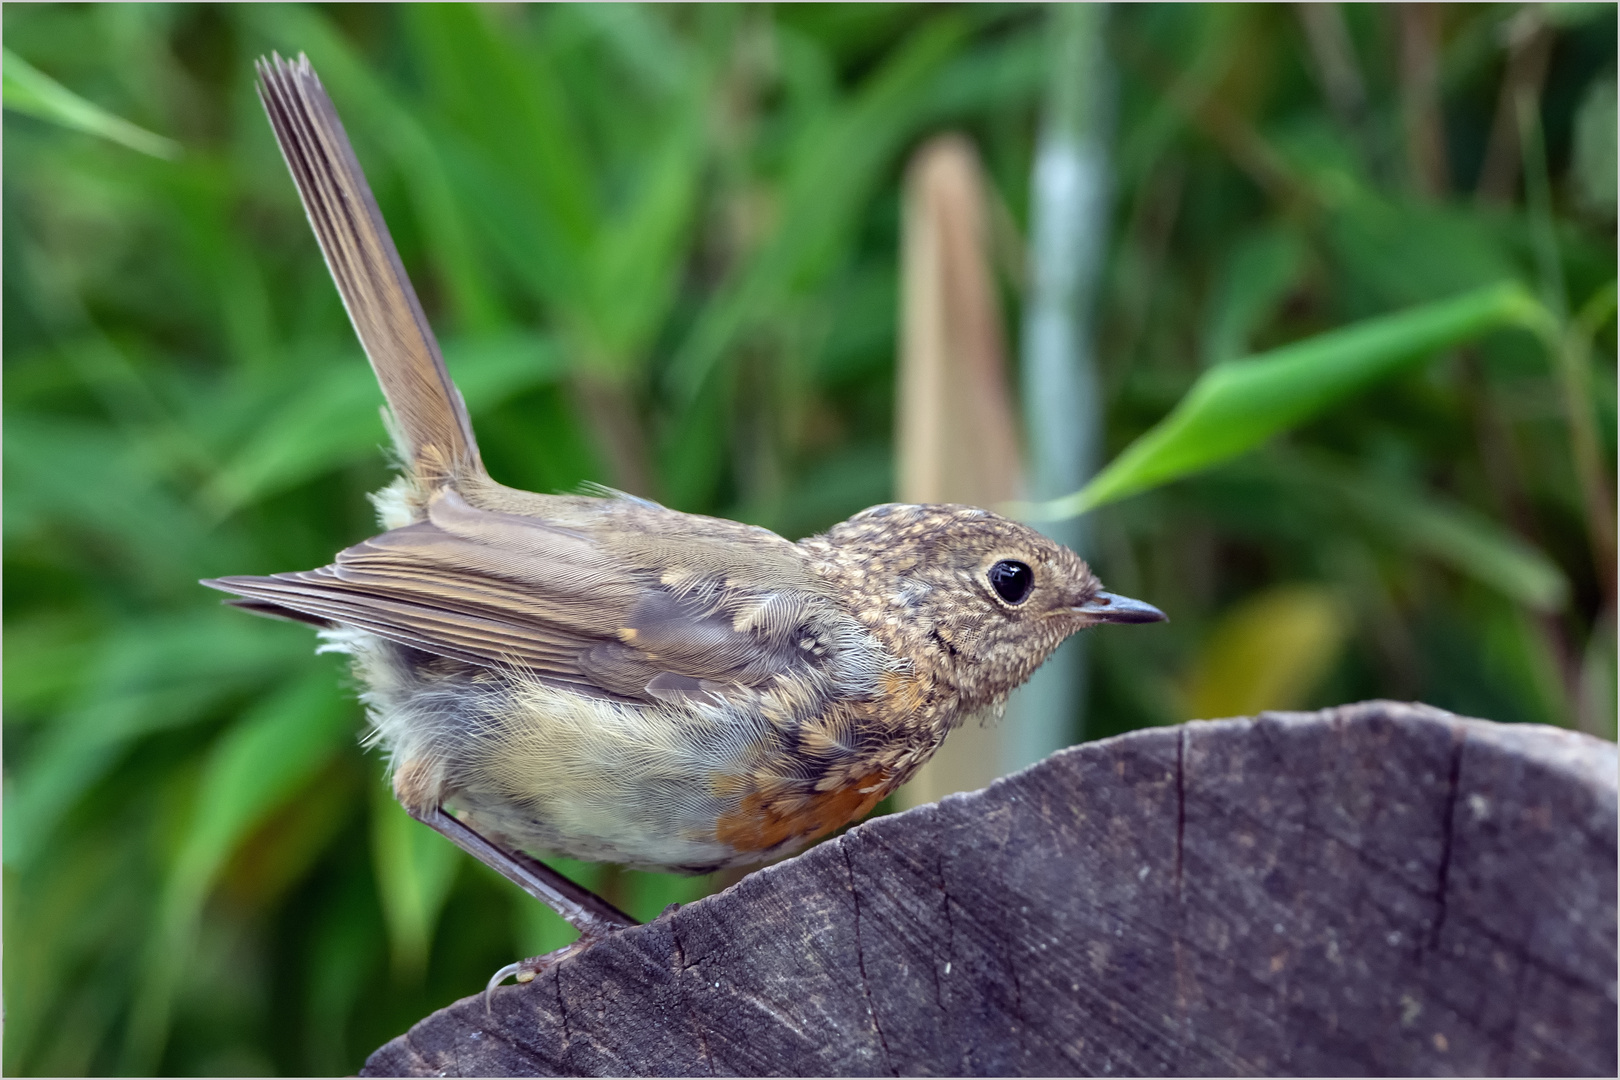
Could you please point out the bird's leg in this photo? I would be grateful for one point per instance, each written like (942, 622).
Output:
(588, 913)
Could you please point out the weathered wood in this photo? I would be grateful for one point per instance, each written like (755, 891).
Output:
(1380, 888)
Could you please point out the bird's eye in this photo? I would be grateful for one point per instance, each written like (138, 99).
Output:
(1012, 580)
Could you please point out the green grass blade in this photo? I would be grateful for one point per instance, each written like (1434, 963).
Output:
(149, 676)
(634, 268)
(29, 90)
(335, 421)
(1427, 523)
(253, 770)
(415, 869)
(1240, 404)
(1471, 543)
(835, 164)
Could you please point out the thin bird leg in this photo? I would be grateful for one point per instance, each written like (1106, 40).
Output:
(588, 913)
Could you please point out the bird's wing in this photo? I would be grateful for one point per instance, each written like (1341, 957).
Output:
(497, 589)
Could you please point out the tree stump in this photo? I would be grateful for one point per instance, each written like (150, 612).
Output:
(1378, 888)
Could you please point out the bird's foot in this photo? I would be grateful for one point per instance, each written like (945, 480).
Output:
(524, 971)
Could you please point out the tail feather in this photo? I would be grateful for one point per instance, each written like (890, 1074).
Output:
(427, 408)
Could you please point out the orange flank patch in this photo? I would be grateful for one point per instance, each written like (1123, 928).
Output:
(758, 825)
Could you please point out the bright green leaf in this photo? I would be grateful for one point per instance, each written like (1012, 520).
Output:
(1240, 404)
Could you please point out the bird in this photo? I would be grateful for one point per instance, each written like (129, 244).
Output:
(598, 676)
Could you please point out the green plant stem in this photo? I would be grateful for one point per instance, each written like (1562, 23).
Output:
(1062, 406)
(1571, 353)
(1569, 346)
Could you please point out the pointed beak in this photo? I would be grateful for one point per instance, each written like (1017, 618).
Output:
(1108, 607)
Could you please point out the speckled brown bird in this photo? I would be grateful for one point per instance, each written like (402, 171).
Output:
(601, 677)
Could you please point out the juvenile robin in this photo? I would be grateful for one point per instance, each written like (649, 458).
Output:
(601, 677)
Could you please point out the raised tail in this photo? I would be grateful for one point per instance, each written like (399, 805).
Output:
(429, 416)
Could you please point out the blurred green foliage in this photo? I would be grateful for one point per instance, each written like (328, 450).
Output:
(659, 245)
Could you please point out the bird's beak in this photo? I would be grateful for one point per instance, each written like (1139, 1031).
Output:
(1108, 607)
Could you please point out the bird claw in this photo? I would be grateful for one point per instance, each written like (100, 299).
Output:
(524, 971)
(495, 980)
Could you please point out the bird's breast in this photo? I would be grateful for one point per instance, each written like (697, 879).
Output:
(684, 783)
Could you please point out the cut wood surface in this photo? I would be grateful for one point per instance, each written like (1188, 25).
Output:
(1378, 888)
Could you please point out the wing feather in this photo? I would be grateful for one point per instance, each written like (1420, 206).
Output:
(497, 589)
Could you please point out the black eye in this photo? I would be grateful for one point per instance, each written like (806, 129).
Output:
(1012, 580)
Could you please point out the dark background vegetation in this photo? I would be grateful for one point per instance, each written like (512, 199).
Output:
(660, 248)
